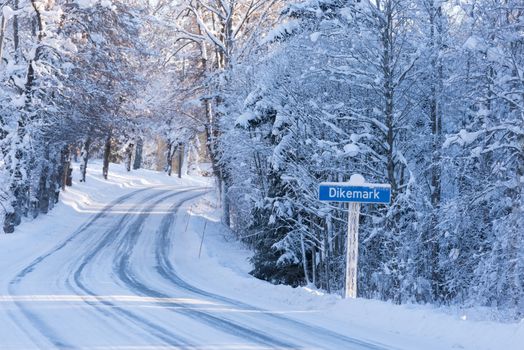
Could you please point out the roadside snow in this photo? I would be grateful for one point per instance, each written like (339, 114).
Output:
(222, 267)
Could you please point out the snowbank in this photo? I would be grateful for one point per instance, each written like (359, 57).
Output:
(223, 268)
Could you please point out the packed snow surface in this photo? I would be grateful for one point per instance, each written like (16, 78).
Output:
(141, 261)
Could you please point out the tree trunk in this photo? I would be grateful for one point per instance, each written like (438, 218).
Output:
(304, 259)
(107, 153)
(129, 156)
(44, 188)
(16, 37)
(303, 249)
(9, 220)
(435, 109)
(53, 186)
(327, 265)
(387, 41)
(169, 157)
(314, 265)
(2, 34)
(66, 159)
(225, 205)
(137, 164)
(180, 159)
(435, 21)
(84, 155)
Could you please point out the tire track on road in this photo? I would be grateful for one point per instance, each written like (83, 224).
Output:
(124, 270)
(166, 269)
(38, 324)
(120, 231)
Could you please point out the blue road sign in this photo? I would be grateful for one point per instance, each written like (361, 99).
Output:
(345, 192)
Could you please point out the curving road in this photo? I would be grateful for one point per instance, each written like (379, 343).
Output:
(112, 284)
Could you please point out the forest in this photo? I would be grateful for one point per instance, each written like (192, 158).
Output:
(424, 95)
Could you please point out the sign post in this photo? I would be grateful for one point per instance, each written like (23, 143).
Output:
(352, 251)
(354, 192)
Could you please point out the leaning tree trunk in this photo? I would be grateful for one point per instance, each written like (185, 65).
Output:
(107, 153)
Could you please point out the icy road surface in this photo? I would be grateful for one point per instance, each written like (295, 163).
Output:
(120, 274)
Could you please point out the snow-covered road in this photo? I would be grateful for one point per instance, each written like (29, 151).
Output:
(117, 266)
(112, 284)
